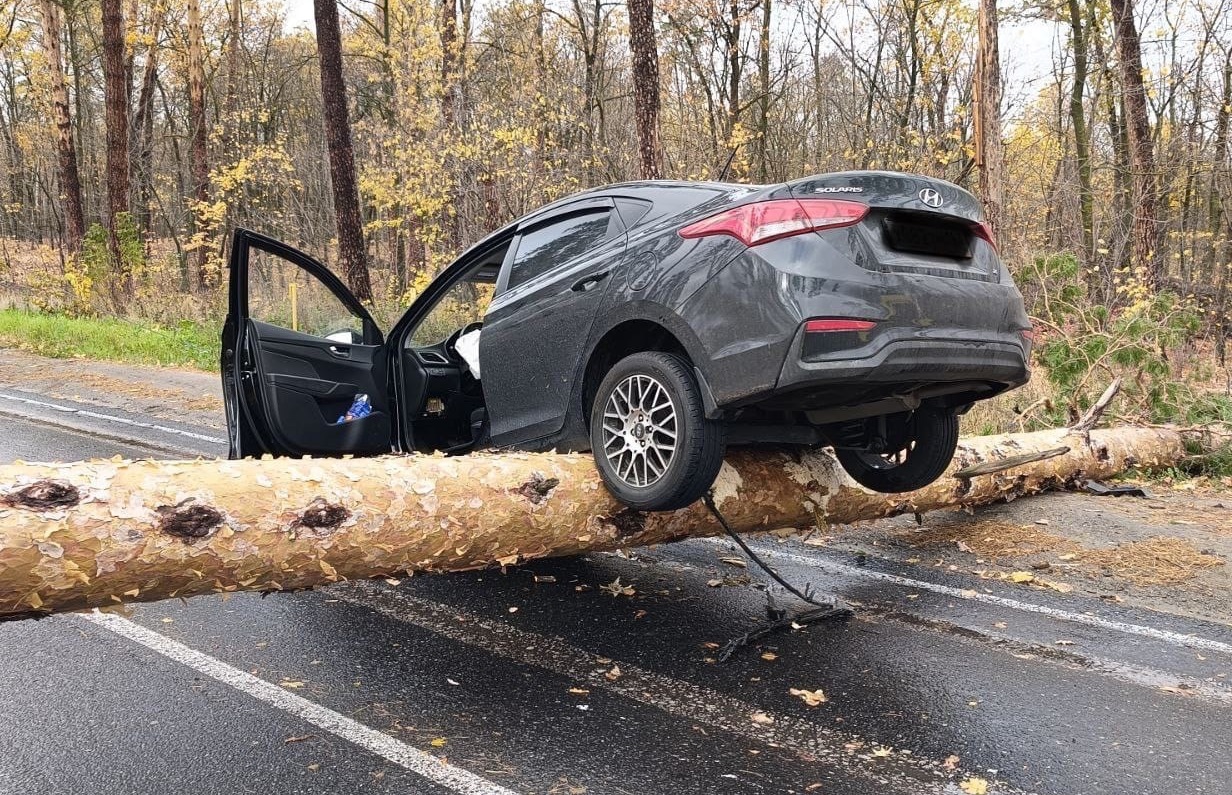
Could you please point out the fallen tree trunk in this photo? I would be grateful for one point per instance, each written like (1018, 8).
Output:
(94, 534)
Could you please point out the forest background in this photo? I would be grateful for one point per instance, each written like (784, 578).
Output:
(135, 135)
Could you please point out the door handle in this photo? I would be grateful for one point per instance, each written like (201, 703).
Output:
(589, 283)
(341, 351)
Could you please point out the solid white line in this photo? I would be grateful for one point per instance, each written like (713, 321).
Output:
(413, 759)
(113, 418)
(1167, 636)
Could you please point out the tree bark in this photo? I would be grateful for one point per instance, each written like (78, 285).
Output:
(732, 52)
(70, 176)
(115, 101)
(763, 102)
(645, 86)
(143, 129)
(1141, 147)
(198, 154)
(94, 534)
(1082, 137)
(351, 251)
(989, 155)
(449, 58)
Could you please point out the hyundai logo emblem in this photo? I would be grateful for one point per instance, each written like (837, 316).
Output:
(931, 197)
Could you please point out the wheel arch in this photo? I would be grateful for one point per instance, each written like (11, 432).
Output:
(637, 327)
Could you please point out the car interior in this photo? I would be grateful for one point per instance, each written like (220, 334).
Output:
(437, 392)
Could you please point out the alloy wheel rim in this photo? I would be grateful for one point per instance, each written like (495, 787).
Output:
(640, 430)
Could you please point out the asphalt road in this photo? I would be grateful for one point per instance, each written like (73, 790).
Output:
(540, 681)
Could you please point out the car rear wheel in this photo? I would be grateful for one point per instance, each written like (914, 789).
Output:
(652, 443)
(921, 450)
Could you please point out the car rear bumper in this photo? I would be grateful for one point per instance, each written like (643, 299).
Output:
(938, 365)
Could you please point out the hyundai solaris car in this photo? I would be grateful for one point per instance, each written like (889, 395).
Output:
(654, 323)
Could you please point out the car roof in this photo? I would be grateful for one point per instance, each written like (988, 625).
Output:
(632, 189)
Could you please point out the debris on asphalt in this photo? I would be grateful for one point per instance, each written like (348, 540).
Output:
(1100, 489)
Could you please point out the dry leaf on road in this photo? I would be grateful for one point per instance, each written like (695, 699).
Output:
(615, 588)
(810, 697)
(974, 786)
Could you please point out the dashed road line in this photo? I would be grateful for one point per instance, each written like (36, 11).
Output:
(416, 761)
(1167, 636)
(98, 415)
(677, 697)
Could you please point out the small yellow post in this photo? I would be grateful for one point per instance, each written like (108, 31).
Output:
(293, 289)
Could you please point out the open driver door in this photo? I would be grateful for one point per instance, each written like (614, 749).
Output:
(298, 349)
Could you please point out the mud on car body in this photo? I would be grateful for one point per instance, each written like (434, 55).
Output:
(654, 323)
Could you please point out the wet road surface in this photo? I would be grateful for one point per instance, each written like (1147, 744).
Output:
(538, 680)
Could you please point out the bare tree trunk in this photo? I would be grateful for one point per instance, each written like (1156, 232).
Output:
(70, 178)
(763, 74)
(645, 86)
(449, 58)
(1078, 118)
(143, 126)
(115, 99)
(94, 534)
(732, 45)
(198, 153)
(351, 251)
(449, 111)
(1141, 147)
(989, 154)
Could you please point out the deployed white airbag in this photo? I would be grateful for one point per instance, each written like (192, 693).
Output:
(467, 347)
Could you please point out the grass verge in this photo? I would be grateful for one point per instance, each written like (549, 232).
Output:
(187, 344)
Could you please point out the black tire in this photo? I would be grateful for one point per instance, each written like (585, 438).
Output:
(694, 462)
(931, 437)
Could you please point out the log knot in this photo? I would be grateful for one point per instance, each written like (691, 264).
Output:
(538, 488)
(322, 515)
(189, 520)
(628, 523)
(44, 495)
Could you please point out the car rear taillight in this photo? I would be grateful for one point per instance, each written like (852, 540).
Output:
(823, 325)
(761, 222)
(984, 232)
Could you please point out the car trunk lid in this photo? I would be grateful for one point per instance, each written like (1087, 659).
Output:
(915, 224)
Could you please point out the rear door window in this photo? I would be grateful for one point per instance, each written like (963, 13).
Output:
(558, 241)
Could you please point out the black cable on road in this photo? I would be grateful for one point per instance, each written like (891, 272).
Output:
(779, 620)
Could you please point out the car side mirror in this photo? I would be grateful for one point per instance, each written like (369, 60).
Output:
(346, 336)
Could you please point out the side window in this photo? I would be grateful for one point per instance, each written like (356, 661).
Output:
(557, 242)
(283, 294)
(462, 304)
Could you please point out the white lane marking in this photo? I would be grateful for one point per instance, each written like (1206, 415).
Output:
(413, 759)
(1167, 636)
(97, 415)
(679, 698)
